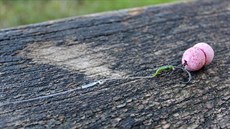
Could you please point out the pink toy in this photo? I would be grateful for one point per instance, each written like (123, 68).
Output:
(197, 56)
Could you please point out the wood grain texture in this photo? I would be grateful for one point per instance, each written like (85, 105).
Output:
(57, 56)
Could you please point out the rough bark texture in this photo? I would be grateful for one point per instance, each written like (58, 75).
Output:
(56, 56)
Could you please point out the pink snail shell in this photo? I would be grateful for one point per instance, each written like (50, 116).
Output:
(197, 56)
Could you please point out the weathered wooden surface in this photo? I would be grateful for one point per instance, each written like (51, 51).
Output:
(52, 57)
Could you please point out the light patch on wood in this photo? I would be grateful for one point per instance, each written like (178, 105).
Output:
(136, 11)
(79, 57)
(228, 8)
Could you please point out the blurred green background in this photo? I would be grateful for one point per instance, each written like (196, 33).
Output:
(21, 12)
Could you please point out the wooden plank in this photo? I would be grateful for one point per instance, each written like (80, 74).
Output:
(43, 66)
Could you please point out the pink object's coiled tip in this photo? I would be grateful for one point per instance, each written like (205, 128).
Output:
(198, 56)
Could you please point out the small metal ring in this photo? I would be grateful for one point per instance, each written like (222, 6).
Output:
(185, 70)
